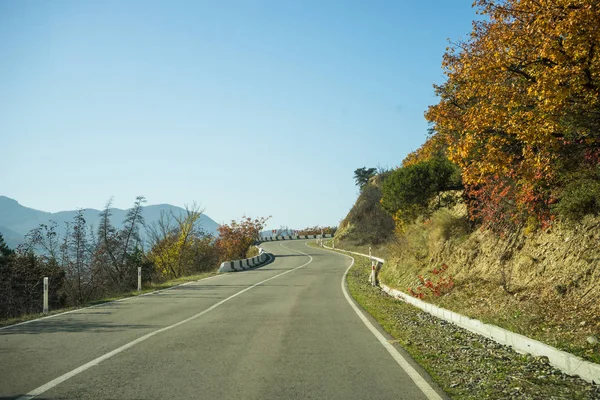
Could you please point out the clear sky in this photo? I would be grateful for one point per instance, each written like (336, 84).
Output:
(247, 107)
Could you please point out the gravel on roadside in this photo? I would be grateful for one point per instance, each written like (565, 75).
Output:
(465, 365)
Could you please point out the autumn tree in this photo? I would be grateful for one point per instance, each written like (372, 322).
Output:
(521, 105)
(434, 147)
(178, 245)
(235, 238)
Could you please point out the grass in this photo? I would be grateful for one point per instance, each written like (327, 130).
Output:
(152, 287)
(381, 251)
(465, 365)
(538, 291)
(548, 320)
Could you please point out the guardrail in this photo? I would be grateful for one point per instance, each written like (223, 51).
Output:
(294, 237)
(247, 263)
(566, 362)
(262, 258)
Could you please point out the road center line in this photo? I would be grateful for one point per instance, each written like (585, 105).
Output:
(76, 371)
(421, 383)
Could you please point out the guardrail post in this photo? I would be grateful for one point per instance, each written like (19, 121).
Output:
(139, 279)
(45, 295)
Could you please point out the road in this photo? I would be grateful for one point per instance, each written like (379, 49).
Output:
(283, 331)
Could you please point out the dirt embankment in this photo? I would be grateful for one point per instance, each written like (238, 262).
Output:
(545, 284)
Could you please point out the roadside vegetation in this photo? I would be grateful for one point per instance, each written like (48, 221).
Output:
(147, 288)
(87, 265)
(317, 230)
(497, 215)
(465, 365)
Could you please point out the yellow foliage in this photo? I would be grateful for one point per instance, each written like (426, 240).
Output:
(528, 78)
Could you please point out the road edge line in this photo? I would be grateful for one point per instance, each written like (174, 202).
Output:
(421, 383)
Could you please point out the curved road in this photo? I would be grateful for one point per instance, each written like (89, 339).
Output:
(283, 331)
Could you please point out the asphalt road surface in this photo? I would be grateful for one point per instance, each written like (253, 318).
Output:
(287, 330)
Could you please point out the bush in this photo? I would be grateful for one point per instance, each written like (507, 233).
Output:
(411, 189)
(579, 198)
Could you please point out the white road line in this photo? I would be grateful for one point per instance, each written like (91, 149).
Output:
(421, 383)
(76, 371)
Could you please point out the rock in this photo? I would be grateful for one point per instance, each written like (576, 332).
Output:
(543, 360)
(593, 340)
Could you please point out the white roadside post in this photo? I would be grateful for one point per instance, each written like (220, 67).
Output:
(45, 295)
(139, 279)
(373, 278)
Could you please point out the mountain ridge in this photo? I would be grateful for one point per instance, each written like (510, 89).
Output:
(17, 220)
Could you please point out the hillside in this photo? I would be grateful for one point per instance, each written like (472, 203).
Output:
(544, 284)
(17, 220)
(497, 214)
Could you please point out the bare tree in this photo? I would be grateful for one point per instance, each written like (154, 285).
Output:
(46, 238)
(118, 246)
(77, 252)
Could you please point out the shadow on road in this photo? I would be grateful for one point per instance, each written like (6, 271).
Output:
(16, 396)
(60, 325)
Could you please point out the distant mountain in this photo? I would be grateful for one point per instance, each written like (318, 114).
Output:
(12, 238)
(16, 220)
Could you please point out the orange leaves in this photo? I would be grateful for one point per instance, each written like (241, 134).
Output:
(235, 238)
(528, 76)
(433, 147)
(443, 285)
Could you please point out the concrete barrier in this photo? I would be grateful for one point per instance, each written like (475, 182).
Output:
(262, 258)
(296, 237)
(247, 263)
(566, 362)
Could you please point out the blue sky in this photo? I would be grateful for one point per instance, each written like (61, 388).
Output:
(247, 107)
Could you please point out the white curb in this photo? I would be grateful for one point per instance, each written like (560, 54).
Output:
(566, 362)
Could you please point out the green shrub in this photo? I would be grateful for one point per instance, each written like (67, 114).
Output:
(579, 198)
(411, 189)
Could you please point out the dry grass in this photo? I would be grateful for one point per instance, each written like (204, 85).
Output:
(465, 365)
(545, 285)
